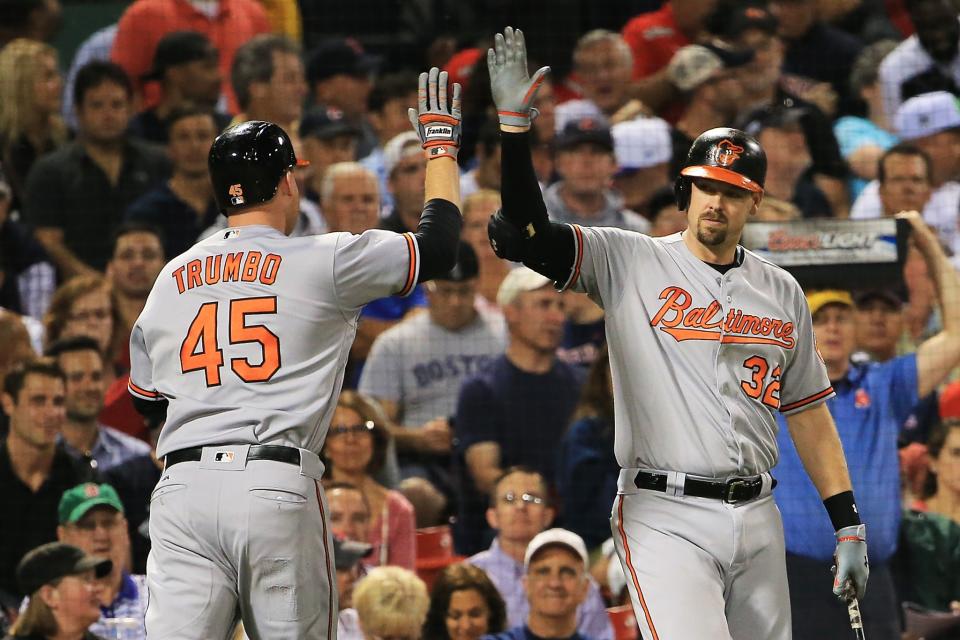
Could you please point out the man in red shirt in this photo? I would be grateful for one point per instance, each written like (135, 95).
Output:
(654, 38)
(228, 24)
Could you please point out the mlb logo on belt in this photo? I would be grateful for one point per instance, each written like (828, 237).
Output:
(223, 456)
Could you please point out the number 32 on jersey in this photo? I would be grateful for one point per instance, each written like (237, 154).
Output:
(201, 351)
(760, 387)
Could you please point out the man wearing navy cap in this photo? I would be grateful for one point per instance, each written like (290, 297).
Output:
(340, 74)
(327, 138)
(586, 164)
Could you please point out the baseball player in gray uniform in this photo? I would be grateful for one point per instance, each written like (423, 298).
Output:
(242, 345)
(706, 342)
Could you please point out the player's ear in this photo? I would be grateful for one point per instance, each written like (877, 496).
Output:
(755, 209)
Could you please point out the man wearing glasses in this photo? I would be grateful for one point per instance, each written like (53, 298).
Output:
(519, 510)
(91, 518)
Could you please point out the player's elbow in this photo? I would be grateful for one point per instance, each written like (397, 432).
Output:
(437, 238)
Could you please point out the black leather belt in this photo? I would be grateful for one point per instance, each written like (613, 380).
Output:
(734, 490)
(273, 452)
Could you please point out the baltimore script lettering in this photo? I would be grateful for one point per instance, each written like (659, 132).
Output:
(676, 318)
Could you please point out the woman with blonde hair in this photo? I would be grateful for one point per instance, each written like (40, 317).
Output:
(30, 95)
(391, 603)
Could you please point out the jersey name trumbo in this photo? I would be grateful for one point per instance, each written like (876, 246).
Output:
(241, 266)
(676, 318)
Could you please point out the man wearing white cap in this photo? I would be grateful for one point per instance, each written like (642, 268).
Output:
(642, 149)
(556, 583)
(931, 123)
(406, 167)
(509, 413)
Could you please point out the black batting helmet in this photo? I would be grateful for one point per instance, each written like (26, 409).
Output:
(727, 155)
(246, 163)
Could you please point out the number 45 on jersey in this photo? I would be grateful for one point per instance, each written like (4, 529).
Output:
(201, 351)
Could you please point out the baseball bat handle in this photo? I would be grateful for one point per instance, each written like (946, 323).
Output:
(853, 609)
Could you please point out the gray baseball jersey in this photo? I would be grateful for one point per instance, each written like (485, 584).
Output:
(247, 335)
(250, 306)
(420, 365)
(700, 360)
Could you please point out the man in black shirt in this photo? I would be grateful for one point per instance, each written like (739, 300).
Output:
(183, 206)
(34, 469)
(76, 196)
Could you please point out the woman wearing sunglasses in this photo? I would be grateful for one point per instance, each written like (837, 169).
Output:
(355, 451)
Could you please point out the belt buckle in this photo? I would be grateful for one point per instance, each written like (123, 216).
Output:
(740, 490)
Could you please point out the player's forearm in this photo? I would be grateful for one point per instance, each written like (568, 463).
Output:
(442, 180)
(818, 445)
(522, 200)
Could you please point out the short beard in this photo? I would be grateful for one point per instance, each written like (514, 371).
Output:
(711, 237)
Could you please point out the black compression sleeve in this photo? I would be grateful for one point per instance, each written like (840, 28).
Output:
(522, 200)
(437, 237)
(551, 252)
(842, 510)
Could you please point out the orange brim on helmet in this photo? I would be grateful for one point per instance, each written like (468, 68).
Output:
(723, 175)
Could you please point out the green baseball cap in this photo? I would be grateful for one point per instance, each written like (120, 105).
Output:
(75, 502)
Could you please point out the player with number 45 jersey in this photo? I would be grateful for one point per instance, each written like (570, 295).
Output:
(241, 349)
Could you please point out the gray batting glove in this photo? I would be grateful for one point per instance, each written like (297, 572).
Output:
(439, 129)
(851, 566)
(511, 85)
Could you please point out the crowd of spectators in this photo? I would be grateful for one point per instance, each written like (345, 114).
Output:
(482, 402)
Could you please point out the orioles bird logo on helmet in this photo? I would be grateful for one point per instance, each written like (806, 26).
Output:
(726, 153)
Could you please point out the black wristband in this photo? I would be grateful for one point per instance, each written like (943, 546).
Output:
(842, 510)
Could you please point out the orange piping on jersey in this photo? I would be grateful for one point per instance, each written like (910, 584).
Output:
(141, 392)
(806, 401)
(578, 234)
(412, 271)
(331, 585)
(633, 573)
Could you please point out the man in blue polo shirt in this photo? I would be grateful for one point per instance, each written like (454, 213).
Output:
(873, 400)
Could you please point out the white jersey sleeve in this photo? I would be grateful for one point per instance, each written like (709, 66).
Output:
(140, 384)
(600, 262)
(373, 265)
(805, 382)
